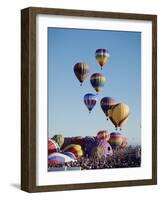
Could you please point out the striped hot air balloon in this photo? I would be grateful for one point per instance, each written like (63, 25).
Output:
(70, 154)
(81, 71)
(116, 139)
(57, 158)
(90, 101)
(120, 114)
(75, 149)
(103, 135)
(102, 55)
(106, 104)
(97, 81)
(52, 146)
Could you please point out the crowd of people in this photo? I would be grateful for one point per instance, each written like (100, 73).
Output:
(121, 158)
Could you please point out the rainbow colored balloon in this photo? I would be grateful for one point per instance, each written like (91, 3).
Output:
(116, 139)
(75, 149)
(102, 56)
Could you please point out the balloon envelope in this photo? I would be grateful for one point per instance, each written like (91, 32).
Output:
(52, 146)
(57, 158)
(124, 142)
(120, 114)
(81, 71)
(102, 149)
(59, 139)
(70, 154)
(115, 139)
(102, 56)
(106, 104)
(90, 100)
(75, 149)
(97, 81)
(103, 135)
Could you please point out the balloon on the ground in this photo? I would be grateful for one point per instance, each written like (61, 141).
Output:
(120, 114)
(52, 146)
(102, 56)
(106, 104)
(59, 158)
(59, 139)
(116, 139)
(97, 81)
(70, 154)
(75, 149)
(124, 142)
(81, 71)
(103, 135)
(90, 101)
(101, 149)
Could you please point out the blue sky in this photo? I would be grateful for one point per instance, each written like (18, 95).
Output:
(67, 113)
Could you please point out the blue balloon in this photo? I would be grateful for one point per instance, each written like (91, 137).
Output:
(90, 101)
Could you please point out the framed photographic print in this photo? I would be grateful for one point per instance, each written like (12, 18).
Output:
(88, 99)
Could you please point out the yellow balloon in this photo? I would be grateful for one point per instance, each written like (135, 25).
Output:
(120, 114)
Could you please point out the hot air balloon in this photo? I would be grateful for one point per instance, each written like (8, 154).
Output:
(116, 139)
(120, 114)
(124, 142)
(70, 154)
(101, 149)
(89, 143)
(103, 135)
(102, 56)
(52, 146)
(97, 81)
(59, 139)
(57, 158)
(106, 104)
(90, 101)
(81, 71)
(75, 149)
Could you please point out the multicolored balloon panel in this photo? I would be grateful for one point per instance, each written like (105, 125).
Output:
(75, 149)
(106, 104)
(90, 101)
(58, 158)
(97, 81)
(52, 146)
(102, 56)
(103, 135)
(81, 71)
(116, 139)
